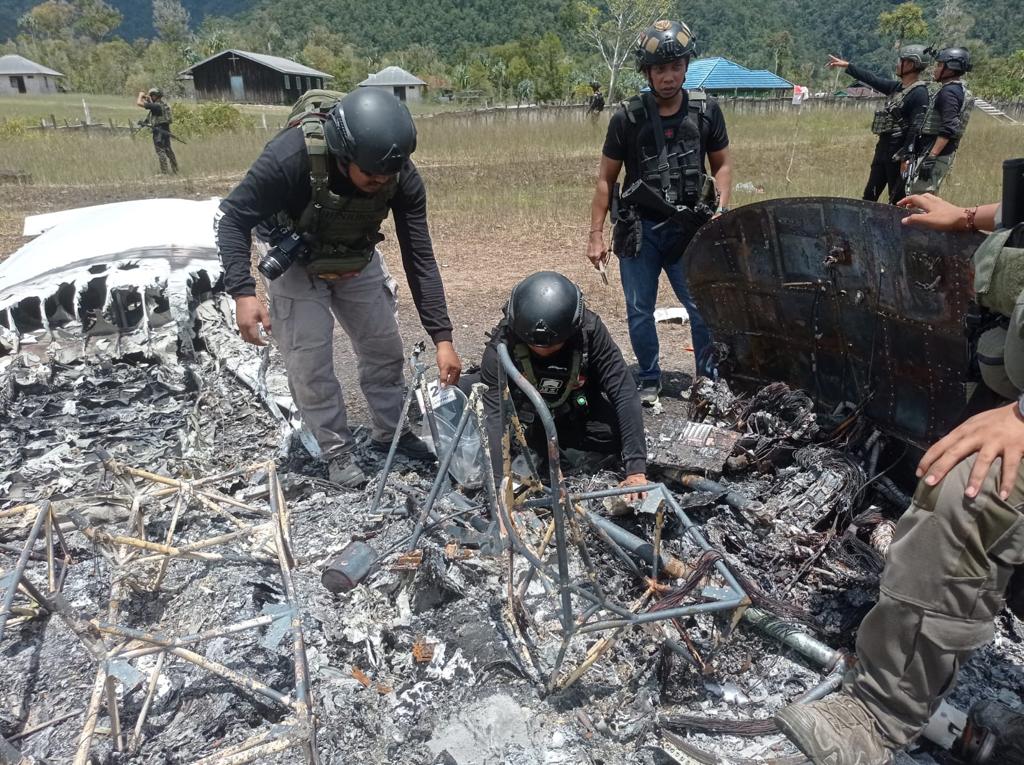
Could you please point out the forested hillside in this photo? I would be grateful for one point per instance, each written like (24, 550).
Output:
(534, 49)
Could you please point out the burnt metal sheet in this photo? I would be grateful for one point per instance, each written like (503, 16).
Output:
(837, 297)
(693, 446)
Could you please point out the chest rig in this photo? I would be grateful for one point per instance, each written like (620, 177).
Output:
(676, 169)
(557, 382)
(933, 120)
(341, 230)
(889, 119)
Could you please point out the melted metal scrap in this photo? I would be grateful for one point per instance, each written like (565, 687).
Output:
(113, 269)
(836, 297)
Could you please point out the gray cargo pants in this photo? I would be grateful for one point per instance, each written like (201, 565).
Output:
(303, 309)
(945, 580)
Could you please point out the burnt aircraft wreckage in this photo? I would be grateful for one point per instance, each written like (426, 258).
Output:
(165, 544)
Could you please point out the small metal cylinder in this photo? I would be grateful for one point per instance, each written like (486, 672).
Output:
(350, 568)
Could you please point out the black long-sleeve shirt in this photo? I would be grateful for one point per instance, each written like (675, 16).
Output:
(606, 374)
(279, 180)
(950, 103)
(912, 110)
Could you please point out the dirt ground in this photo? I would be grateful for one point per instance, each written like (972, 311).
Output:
(480, 261)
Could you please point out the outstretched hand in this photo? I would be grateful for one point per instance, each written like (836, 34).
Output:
(834, 62)
(991, 435)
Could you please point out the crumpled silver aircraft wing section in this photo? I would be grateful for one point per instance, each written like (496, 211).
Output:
(115, 266)
(837, 297)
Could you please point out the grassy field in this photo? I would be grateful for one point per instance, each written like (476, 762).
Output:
(509, 193)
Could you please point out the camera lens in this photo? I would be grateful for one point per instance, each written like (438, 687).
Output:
(274, 263)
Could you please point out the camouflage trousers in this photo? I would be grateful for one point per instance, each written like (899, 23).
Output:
(945, 580)
(939, 172)
(164, 151)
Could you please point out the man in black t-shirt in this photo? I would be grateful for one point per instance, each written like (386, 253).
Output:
(665, 138)
(329, 182)
(897, 123)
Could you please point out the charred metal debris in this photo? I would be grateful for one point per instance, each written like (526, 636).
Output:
(162, 604)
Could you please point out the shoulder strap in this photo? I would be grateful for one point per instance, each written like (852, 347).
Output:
(635, 109)
(659, 142)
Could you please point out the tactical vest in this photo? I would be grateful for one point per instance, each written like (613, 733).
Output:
(161, 117)
(999, 271)
(889, 119)
(933, 120)
(556, 383)
(684, 181)
(342, 231)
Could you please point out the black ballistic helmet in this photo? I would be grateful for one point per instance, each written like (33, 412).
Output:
(371, 128)
(955, 59)
(545, 309)
(662, 42)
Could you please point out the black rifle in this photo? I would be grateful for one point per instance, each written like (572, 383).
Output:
(142, 125)
(644, 196)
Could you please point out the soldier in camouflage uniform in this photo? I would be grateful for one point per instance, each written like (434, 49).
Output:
(897, 122)
(956, 548)
(944, 124)
(159, 122)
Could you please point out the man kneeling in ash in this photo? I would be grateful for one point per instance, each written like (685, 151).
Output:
(567, 353)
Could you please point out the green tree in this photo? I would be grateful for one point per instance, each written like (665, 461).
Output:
(612, 27)
(329, 52)
(904, 22)
(953, 22)
(780, 45)
(171, 21)
(52, 19)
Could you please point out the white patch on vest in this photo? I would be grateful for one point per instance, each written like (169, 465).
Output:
(550, 387)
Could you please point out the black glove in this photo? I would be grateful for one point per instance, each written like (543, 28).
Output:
(924, 172)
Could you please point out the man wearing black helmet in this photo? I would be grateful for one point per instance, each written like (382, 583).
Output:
(897, 122)
(320, 191)
(664, 137)
(159, 122)
(566, 352)
(944, 122)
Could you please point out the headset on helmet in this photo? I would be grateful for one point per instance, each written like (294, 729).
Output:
(664, 41)
(371, 128)
(545, 309)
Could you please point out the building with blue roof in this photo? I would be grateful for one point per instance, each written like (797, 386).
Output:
(721, 76)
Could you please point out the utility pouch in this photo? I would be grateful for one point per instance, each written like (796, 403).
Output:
(627, 234)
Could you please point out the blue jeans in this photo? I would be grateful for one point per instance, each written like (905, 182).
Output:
(640, 277)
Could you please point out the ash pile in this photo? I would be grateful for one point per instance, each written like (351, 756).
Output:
(164, 533)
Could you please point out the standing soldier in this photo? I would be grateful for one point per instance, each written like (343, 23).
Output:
(595, 104)
(663, 137)
(896, 124)
(159, 122)
(322, 188)
(944, 123)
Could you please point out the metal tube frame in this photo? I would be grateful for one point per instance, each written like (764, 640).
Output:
(566, 523)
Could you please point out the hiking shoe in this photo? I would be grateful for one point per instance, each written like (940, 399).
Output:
(410, 445)
(649, 390)
(343, 470)
(838, 730)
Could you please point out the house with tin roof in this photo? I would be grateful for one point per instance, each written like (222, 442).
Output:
(243, 77)
(19, 75)
(404, 85)
(720, 76)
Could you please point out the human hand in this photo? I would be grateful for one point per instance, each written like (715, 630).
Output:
(250, 315)
(597, 252)
(991, 435)
(834, 62)
(635, 479)
(449, 365)
(936, 213)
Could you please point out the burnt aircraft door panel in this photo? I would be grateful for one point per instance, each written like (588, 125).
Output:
(837, 297)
